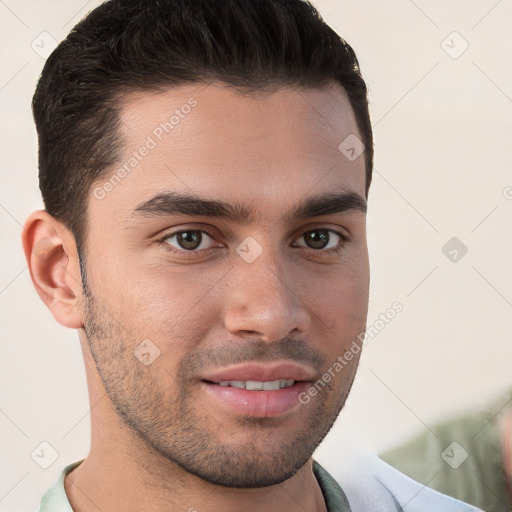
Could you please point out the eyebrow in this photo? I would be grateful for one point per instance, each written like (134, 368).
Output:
(174, 203)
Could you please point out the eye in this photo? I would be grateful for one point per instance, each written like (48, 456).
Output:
(189, 240)
(323, 239)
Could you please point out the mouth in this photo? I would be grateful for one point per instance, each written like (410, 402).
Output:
(256, 399)
(254, 385)
(258, 389)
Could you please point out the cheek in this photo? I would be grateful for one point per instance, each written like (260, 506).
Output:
(340, 309)
(171, 307)
(341, 294)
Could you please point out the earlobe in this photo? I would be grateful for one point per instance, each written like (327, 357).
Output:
(52, 258)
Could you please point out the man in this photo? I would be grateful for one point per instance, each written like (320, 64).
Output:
(205, 168)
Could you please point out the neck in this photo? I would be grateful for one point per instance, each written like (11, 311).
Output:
(120, 482)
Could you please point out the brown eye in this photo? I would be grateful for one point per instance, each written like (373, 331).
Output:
(318, 239)
(189, 240)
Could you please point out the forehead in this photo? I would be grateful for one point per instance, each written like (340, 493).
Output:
(266, 150)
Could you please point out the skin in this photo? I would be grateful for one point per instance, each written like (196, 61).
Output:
(157, 442)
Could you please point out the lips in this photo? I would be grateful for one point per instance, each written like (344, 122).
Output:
(261, 372)
(262, 390)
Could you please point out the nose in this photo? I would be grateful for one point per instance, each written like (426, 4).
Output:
(264, 300)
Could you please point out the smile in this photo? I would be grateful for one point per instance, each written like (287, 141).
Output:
(254, 385)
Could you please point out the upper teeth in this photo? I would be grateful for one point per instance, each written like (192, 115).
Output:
(254, 385)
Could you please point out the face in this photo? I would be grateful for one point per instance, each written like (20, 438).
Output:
(232, 248)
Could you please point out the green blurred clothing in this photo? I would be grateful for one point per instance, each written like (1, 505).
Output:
(464, 460)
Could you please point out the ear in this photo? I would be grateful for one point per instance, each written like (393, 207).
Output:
(52, 258)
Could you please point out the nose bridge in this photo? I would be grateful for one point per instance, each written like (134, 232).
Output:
(261, 300)
(266, 273)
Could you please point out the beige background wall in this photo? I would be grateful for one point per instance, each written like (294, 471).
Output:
(443, 132)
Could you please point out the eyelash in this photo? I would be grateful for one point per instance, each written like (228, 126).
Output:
(194, 253)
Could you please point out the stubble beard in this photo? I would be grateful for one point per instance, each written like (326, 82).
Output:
(175, 431)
